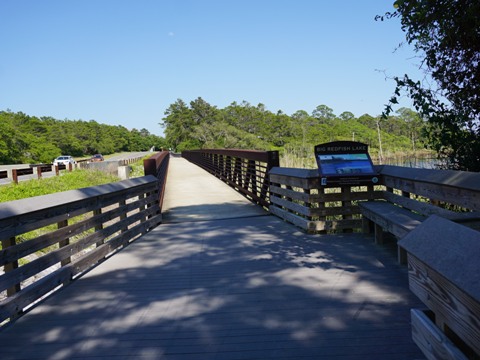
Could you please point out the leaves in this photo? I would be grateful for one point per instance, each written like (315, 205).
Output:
(446, 34)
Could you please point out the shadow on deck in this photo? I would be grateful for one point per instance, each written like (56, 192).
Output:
(250, 288)
(241, 285)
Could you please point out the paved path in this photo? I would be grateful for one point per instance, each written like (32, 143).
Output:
(252, 287)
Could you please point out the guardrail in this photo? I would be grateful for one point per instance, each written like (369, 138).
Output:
(37, 170)
(244, 170)
(48, 241)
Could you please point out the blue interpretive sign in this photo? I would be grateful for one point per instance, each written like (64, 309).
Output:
(345, 162)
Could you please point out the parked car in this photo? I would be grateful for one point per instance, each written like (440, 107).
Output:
(97, 157)
(64, 160)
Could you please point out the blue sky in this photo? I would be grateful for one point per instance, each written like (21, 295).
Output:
(124, 62)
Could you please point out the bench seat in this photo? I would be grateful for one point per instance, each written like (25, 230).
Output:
(389, 217)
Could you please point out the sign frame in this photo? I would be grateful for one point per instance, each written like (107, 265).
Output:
(345, 163)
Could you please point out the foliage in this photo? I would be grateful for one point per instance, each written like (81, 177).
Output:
(68, 181)
(244, 126)
(446, 35)
(28, 139)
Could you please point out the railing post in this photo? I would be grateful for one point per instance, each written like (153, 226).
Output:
(97, 213)
(273, 159)
(6, 243)
(64, 242)
(14, 176)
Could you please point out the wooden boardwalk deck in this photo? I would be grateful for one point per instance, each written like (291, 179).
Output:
(237, 285)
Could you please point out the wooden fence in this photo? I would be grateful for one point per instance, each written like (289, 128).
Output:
(244, 170)
(48, 241)
(298, 197)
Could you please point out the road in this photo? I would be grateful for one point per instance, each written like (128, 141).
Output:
(116, 157)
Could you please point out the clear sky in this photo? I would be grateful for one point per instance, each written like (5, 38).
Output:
(123, 62)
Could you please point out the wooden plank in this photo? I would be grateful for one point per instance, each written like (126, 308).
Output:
(444, 272)
(469, 199)
(291, 218)
(303, 183)
(433, 342)
(440, 243)
(391, 218)
(295, 207)
(459, 179)
(456, 309)
(292, 194)
(15, 304)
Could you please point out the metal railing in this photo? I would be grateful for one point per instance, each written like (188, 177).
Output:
(244, 170)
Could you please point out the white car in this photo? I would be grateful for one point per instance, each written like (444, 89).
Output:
(64, 160)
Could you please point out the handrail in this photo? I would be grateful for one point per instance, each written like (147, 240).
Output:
(244, 170)
(298, 197)
(157, 165)
(77, 230)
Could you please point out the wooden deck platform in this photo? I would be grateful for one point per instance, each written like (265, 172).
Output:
(245, 287)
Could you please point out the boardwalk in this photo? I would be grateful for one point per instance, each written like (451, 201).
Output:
(231, 282)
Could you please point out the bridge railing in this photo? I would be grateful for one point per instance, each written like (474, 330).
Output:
(298, 197)
(244, 170)
(48, 241)
(157, 165)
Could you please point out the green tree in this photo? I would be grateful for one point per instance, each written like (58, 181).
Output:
(323, 114)
(445, 34)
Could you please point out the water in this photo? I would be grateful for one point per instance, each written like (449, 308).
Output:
(412, 162)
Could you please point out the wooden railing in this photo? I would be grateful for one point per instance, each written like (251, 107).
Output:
(157, 165)
(38, 170)
(244, 170)
(48, 241)
(298, 197)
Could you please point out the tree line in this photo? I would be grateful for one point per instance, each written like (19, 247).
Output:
(199, 124)
(30, 139)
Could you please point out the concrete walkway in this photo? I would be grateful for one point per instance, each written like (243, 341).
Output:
(252, 287)
(195, 195)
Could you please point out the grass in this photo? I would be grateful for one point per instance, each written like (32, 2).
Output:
(67, 181)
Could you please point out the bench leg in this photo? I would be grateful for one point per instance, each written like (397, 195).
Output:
(379, 236)
(366, 225)
(402, 255)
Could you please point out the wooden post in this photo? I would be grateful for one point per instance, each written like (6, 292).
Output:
(10, 266)
(98, 212)
(14, 176)
(347, 204)
(64, 242)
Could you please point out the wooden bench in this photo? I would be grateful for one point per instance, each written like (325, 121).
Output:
(398, 213)
(444, 272)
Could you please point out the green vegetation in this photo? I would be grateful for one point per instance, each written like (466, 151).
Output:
(244, 126)
(445, 35)
(67, 181)
(28, 139)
